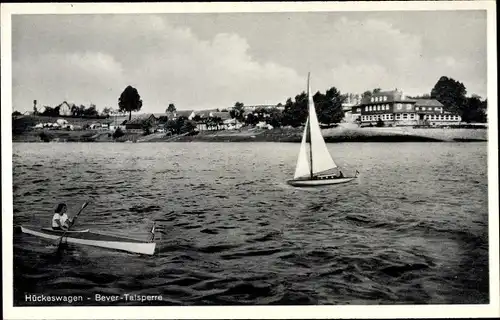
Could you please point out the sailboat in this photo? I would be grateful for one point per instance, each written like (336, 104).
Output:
(315, 166)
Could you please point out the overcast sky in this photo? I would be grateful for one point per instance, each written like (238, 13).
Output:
(199, 61)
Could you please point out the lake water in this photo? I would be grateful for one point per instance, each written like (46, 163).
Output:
(412, 229)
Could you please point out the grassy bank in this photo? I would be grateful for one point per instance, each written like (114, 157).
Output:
(339, 134)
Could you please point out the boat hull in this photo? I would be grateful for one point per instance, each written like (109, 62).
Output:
(318, 182)
(96, 240)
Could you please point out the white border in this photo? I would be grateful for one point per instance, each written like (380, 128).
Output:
(252, 312)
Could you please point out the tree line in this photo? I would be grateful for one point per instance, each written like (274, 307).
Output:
(452, 94)
(76, 111)
(295, 112)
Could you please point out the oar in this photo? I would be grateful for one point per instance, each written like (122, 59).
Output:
(72, 223)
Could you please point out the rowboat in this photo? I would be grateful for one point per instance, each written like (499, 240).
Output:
(95, 239)
(315, 164)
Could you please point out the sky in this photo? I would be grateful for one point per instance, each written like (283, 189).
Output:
(212, 60)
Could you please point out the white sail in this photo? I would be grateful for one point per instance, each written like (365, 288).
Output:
(303, 168)
(321, 158)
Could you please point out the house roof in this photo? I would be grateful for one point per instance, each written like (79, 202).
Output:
(183, 113)
(70, 105)
(392, 96)
(138, 119)
(428, 103)
(205, 113)
(224, 115)
(163, 114)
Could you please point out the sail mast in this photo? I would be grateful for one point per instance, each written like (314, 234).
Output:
(309, 127)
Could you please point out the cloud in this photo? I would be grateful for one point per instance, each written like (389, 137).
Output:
(221, 59)
(52, 78)
(166, 65)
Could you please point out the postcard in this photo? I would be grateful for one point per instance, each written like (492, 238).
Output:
(249, 160)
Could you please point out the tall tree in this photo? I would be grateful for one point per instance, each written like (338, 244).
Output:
(238, 112)
(106, 111)
(474, 110)
(329, 106)
(91, 111)
(295, 113)
(275, 118)
(171, 108)
(129, 101)
(451, 94)
(366, 95)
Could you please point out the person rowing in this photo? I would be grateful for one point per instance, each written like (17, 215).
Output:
(60, 220)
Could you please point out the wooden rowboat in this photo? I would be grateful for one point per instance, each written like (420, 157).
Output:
(90, 238)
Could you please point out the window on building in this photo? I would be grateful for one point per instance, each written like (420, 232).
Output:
(408, 106)
(399, 106)
(436, 109)
(405, 116)
(372, 99)
(416, 108)
(358, 110)
(386, 107)
(398, 116)
(385, 98)
(412, 115)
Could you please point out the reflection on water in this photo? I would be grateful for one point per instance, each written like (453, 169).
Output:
(411, 229)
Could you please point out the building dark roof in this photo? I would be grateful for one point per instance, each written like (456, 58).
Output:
(428, 103)
(392, 96)
(138, 119)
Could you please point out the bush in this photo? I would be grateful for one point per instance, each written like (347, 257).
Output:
(46, 137)
(118, 133)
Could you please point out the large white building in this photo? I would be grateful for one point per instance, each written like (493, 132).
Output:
(394, 109)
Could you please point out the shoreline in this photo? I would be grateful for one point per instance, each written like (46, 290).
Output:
(293, 135)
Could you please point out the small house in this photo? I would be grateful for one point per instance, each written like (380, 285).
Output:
(65, 108)
(138, 122)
